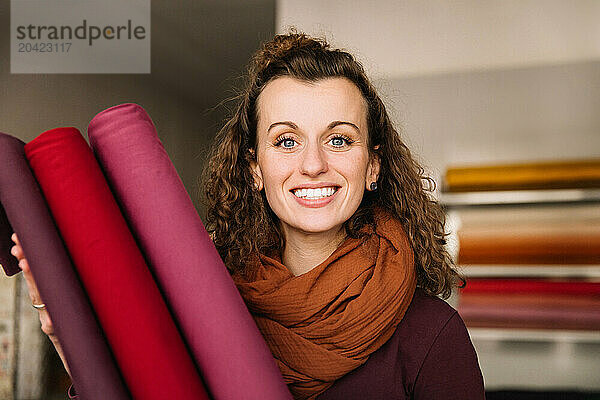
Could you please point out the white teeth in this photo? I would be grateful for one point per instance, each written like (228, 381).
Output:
(312, 194)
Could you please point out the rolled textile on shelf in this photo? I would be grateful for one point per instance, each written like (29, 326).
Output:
(8, 262)
(556, 301)
(529, 317)
(93, 368)
(514, 286)
(574, 242)
(526, 235)
(559, 174)
(224, 339)
(147, 346)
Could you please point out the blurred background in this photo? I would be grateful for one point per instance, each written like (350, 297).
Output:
(468, 83)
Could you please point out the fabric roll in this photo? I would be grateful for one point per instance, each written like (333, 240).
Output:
(521, 234)
(144, 339)
(577, 242)
(224, 339)
(8, 262)
(93, 368)
(540, 300)
(532, 317)
(560, 174)
(539, 286)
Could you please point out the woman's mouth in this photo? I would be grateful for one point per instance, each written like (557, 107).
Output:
(315, 194)
(314, 198)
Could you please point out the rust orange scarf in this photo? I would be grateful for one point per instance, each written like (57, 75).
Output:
(323, 324)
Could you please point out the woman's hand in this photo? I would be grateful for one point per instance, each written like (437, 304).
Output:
(35, 297)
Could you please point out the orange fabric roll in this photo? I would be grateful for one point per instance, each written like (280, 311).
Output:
(534, 175)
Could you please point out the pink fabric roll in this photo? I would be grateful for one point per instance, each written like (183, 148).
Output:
(147, 346)
(228, 347)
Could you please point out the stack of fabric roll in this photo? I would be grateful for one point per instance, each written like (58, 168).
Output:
(141, 302)
(548, 251)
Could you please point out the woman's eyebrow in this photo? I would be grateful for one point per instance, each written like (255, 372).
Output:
(330, 126)
(336, 123)
(288, 123)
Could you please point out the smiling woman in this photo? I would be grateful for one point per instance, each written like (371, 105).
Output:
(321, 214)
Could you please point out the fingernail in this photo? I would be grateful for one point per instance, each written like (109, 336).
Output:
(13, 251)
(21, 263)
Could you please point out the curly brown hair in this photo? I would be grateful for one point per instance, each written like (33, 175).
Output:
(238, 216)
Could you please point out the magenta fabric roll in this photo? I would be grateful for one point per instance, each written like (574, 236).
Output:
(93, 368)
(234, 359)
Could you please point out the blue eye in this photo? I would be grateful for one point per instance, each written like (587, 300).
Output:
(289, 141)
(341, 140)
(283, 140)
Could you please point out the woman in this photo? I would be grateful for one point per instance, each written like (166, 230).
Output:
(319, 211)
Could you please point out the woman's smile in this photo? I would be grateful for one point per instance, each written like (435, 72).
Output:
(315, 198)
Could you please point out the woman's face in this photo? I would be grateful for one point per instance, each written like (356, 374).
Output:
(312, 156)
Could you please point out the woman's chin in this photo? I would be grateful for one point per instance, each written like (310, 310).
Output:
(321, 227)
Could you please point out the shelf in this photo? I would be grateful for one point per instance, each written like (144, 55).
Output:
(531, 271)
(529, 359)
(534, 335)
(513, 359)
(514, 197)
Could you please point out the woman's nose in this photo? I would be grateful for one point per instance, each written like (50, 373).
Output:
(314, 160)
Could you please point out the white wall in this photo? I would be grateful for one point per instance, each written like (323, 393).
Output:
(498, 116)
(404, 38)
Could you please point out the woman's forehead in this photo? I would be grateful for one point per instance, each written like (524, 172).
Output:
(289, 99)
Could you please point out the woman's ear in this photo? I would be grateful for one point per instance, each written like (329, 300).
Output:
(373, 169)
(256, 172)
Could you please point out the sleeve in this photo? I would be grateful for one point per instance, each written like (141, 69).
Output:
(72, 393)
(450, 369)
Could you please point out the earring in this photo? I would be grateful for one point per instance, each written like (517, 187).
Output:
(373, 186)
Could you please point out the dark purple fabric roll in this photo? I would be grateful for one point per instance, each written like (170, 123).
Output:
(93, 369)
(8, 262)
(222, 335)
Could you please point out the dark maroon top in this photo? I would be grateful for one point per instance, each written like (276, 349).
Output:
(429, 357)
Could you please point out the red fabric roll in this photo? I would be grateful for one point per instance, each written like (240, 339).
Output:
(554, 301)
(130, 308)
(506, 286)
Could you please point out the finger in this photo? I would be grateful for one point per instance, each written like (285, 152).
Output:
(47, 326)
(24, 265)
(34, 294)
(35, 297)
(20, 253)
(17, 251)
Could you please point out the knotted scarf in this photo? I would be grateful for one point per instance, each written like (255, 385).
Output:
(326, 322)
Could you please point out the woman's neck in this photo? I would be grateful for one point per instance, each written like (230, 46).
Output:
(305, 251)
